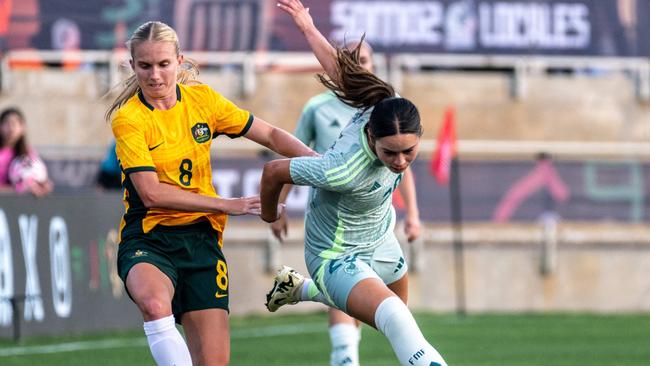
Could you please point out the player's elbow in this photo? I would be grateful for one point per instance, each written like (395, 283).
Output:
(150, 198)
(275, 172)
(148, 201)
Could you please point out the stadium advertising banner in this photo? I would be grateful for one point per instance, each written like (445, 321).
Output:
(57, 261)
(497, 191)
(58, 253)
(552, 27)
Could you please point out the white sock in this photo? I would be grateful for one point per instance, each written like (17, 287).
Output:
(345, 345)
(167, 345)
(310, 292)
(395, 321)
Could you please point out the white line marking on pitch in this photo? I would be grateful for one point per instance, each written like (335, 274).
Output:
(268, 331)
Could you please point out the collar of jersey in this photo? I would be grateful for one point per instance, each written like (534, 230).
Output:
(364, 144)
(151, 108)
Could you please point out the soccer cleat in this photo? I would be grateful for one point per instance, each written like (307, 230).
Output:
(286, 289)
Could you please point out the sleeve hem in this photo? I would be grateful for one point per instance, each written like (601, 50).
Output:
(139, 169)
(249, 123)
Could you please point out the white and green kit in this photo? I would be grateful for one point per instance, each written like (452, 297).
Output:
(322, 120)
(350, 220)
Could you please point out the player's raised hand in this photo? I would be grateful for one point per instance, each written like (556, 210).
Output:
(298, 12)
(323, 50)
(243, 206)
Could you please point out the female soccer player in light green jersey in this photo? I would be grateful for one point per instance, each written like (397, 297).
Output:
(320, 124)
(350, 245)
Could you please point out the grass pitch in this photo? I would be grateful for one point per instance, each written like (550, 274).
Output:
(473, 340)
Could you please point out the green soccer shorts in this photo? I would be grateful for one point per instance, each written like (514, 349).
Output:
(190, 256)
(335, 278)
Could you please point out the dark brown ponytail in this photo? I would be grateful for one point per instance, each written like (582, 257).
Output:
(354, 85)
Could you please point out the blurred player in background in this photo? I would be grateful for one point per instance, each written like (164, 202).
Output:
(109, 175)
(21, 170)
(169, 255)
(320, 124)
(351, 251)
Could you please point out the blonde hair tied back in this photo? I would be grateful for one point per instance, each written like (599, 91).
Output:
(154, 31)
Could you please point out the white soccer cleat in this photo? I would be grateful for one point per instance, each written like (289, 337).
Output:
(286, 289)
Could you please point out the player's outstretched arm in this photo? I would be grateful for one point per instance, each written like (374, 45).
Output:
(155, 194)
(325, 53)
(277, 139)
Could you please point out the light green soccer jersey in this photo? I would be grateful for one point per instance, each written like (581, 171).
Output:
(322, 121)
(351, 209)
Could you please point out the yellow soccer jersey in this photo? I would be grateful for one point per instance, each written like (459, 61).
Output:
(175, 143)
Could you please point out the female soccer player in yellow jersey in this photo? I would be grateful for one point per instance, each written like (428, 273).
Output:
(170, 256)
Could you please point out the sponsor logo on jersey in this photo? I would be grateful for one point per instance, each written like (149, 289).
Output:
(375, 186)
(201, 132)
(154, 147)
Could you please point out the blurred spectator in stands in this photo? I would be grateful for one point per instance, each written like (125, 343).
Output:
(20, 167)
(110, 175)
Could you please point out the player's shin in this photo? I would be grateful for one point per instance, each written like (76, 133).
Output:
(345, 344)
(395, 321)
(166, 343)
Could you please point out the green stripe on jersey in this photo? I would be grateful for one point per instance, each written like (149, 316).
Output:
(353, 173)
(344, 166)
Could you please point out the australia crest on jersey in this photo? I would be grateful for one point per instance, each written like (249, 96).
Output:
(201, 132)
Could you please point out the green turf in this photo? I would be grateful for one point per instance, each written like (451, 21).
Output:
(474, 340)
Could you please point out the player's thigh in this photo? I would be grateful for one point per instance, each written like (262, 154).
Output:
(148, 274)
(335, 278)
(365, 298)
(208, 336)
(151, 290)
(401, 288)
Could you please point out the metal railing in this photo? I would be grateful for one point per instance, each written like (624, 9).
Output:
(248, 64)
(637, 68)
(390, 67)
(470, 149)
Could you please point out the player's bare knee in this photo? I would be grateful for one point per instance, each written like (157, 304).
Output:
(153, 308)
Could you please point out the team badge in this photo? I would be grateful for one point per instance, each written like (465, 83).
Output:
(139, 253)
(351, 269)
(201, 132)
